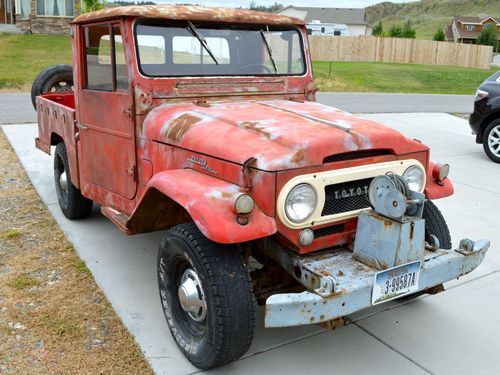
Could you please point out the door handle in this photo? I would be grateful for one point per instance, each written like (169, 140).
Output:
(82, 127)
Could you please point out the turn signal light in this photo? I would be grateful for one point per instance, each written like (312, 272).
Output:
(440, 172)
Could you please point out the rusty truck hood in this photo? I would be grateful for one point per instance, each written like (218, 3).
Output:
(280, 134)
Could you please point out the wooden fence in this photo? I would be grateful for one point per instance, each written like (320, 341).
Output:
(399, 50)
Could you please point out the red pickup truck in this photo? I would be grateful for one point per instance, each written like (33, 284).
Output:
(202, 122)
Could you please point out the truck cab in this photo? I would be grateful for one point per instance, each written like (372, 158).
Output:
(202, 122)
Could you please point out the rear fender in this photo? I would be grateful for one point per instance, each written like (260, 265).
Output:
(434, 190)
(208, 201)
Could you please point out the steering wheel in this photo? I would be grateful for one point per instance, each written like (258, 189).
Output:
(246, 67)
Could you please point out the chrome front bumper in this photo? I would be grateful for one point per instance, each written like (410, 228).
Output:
(350, 284)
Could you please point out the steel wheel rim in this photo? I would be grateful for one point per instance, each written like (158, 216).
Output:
(191, 296)
(494, 141)
(61, 86)
(62, 180)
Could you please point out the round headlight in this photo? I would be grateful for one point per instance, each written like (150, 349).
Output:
(415, 178)
(300, 203)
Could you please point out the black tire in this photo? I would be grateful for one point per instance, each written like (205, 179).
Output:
(224, 333)
(436, 224)
(56, 78)
(493, 130)
(73, 204)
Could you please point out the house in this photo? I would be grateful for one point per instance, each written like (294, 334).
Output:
(44, 16)
(354, 18)
(467, 29)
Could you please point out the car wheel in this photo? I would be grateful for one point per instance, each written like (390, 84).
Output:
(207, 297)
(491, 141)
(435, 224)
(56, 78)
(73, 204)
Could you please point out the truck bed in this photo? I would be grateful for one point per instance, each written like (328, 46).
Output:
(57, 123)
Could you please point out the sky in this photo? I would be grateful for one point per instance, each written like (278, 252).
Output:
(309, 3)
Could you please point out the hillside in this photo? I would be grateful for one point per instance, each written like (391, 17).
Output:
(429, 15)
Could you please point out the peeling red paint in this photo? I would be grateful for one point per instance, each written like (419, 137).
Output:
(173, 149)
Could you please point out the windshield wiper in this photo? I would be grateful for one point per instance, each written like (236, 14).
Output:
(202, 40)
(269, 50)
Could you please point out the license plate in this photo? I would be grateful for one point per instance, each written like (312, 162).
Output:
(395, 282)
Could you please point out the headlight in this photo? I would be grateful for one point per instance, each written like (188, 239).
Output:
(300, 203)
(415, 178)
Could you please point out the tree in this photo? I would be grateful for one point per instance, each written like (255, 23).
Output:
(378, 29)
(91, 5)
(439, 36)
(488, 37)
(408, 31)
(262, 8)
(395, 31)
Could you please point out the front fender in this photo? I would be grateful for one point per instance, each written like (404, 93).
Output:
(433, 190)
(210, 201)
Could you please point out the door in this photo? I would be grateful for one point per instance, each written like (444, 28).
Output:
(107, 136)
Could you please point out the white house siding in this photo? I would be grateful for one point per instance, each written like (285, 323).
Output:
(355, 30)
(291, 12)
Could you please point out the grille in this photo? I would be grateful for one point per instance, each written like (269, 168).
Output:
(355, 155)
(322, 232)
(336, 201)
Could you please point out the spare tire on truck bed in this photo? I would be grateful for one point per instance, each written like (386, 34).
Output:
(55, 78)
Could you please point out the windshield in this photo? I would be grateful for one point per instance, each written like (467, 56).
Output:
(198, 50)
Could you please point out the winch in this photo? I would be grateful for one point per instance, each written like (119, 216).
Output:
(393, 232)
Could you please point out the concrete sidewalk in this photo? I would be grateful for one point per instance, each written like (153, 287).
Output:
(453, 332)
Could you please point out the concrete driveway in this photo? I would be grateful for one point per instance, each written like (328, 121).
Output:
(456, 332)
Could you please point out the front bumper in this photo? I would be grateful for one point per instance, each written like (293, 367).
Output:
(353, 284)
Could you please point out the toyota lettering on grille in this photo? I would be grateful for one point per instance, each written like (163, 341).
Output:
(350, 193)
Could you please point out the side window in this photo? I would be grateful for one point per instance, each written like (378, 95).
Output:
(104, 58)
(121, 65)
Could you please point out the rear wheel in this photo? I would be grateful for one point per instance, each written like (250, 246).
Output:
(491, 141)
(56, 78)
(207, 297)
(73, 204)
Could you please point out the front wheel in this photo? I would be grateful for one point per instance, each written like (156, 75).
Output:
(207, 297)
(491, 141)
(435, 224)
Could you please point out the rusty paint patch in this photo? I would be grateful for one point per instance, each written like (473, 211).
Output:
(191, 12)
(179, 126)
(254, 127)
(298, 156)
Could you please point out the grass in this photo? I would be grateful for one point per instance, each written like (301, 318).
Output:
(10, 233)
(401, 78)
(53, 317)
(24, 281)
(22, 57)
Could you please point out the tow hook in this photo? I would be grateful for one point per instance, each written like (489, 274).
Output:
(326, 286)
(469, 247)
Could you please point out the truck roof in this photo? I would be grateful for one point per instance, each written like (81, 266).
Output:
(191, 12)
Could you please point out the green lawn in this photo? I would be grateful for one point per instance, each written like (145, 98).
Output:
(22, 57)
(389, 77)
